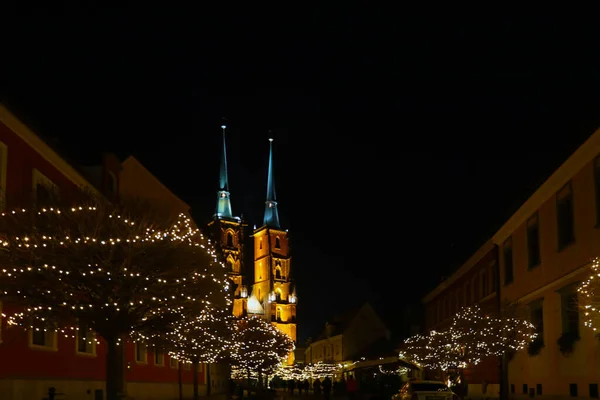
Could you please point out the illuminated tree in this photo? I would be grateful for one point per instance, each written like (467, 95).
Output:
(258, 348)
(115, 270)
(472, 336)
(204, 339)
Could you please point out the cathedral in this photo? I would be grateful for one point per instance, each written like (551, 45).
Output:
(271, 294)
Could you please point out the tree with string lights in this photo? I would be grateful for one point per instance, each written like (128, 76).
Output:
(258, 348)
(206, 338)
(116, 270)
(472, 336)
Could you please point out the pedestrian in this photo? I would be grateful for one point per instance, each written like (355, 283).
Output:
(300, 387)
(327, 388)
(351, 387)
(317, 386)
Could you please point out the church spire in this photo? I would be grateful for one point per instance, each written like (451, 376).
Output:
(223, 202)
(271, 216)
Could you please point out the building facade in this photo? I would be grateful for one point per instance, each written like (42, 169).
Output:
(475, 282)
(545, 250)
(31, 172)
(347, 336)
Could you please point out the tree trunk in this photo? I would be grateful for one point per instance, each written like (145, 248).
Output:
(115, 369)
(503, 377)
(180, 379)
(195, 378)
(208, 380)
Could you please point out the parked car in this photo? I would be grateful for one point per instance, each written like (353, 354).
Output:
(425, 390)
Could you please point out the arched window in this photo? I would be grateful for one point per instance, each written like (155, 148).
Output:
(277, 243)
(229, 239)
(278, 273)
(229, 265)
(278, 314)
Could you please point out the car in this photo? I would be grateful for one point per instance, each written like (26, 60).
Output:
(425, 390)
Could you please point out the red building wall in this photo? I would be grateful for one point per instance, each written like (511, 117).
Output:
(19, 360)
(446, 300)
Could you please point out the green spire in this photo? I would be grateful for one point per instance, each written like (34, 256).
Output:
(223, 202)
(271, 215)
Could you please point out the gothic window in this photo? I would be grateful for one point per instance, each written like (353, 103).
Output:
(277, 243)
(229, 239)
(260, 243)
(229, 265)
(278, 314)
(278, 272)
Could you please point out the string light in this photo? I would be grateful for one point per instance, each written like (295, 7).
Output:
(472, 336)
(588, 299)
(94, 266)
(257, 347)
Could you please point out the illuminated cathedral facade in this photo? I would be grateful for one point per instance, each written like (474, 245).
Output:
(271, 294)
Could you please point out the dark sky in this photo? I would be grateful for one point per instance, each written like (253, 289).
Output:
(402, 141)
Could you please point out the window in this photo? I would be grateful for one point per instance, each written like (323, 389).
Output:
(86, 340)
(141, 352)
(260, 243)
(159, 357)
(40, 338)
(569, 310)
(229, 239)
(508, 261)
(277, 243)
(173, 362)
(3, 166)
(537, 317)
(533, 241)
(230, 265)
(278, 272)
(484, 283)
(45, 192)
(593, 390)
(597, 187)
(494, 268)
(565, 217)
(475, 288)
(186, 366)
(573, 389)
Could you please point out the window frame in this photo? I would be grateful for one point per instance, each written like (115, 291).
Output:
(136, 352)
(507, 246)
(559, 198)
(53, 339)
(93, 342)
(533, 221)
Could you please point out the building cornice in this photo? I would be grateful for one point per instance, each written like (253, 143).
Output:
(579, 159)
(41, 147)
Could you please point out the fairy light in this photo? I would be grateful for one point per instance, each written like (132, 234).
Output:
(472, 336)
(589, 299)
(258, 348)
(319, 370)
(108, 271)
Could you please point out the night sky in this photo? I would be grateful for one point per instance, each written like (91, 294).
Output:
(402, 141)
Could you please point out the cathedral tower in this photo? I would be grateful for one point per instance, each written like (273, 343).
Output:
(272, 261)
(228, 232)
